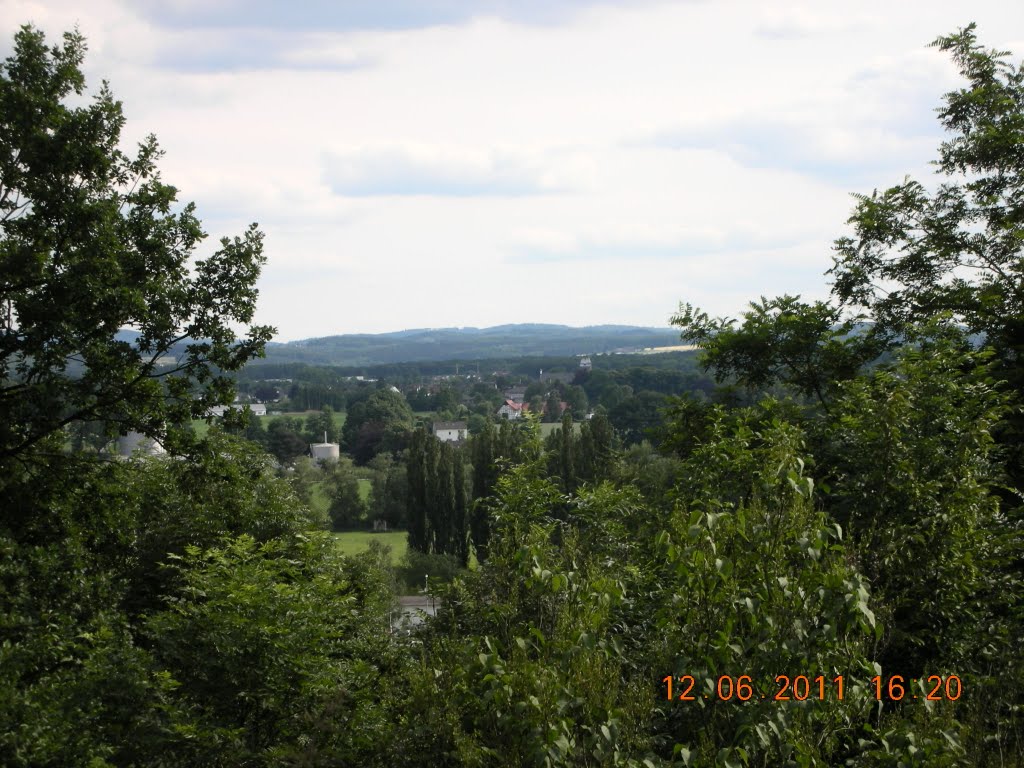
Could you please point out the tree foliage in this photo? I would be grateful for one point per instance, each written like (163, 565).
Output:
(807, 347)
(91, 243)
(916, 253)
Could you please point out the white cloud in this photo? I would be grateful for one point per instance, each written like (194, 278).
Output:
(436, 165)
(431, 170)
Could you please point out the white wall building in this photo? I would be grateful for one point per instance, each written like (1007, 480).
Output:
(450, 431)
(512, 410)
(258, 409)
(325, 451)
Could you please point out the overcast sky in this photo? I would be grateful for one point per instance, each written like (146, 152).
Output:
(470, 163)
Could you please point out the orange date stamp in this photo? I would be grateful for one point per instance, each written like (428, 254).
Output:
(805, 688)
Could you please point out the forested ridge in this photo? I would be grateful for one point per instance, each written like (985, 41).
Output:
(522, 340)
(818, 563)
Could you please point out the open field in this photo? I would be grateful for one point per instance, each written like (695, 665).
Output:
(354, 542)
(546, 429)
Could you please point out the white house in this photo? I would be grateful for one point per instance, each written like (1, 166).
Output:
(512, 410)
(450, 431)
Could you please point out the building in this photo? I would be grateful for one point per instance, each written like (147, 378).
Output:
(325, 451)
(512, 410)
(585, 364)
(450, 431)
(258, 409)
(515, 394)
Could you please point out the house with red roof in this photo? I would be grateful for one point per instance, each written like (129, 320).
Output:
(512, 410)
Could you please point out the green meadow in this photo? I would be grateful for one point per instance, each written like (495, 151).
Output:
(354, 542)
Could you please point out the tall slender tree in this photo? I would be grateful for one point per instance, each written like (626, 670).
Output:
(417, 499)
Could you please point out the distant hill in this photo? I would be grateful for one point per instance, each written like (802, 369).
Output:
(502, 341)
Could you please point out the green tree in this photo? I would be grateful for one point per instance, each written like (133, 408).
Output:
(347, 510)
(93, 242)
(477, 421)
(552, 408)
(441, 511)
(311, 684)
(319, 425)
(562, 448)
(380, 422)
(447, 400)
(635, 418)
(460, 522)
(483, 456)
(284, 441)
(536, 404)
(915, 254)
(922, 455)
(256, 431)
(752, 578)
(417, 473)
(390, 491)
(82, 565)
(913, 472)
(809, 348)
(597, 448)
(576, 397)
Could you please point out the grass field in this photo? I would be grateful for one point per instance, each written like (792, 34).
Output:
(546, 429)
(354, 542)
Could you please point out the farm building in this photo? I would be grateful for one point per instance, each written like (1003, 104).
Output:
(512, 410)
(325, 451)
(450, 431)
(258, 409)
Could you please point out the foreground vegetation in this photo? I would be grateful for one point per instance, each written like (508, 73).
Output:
(861, 529)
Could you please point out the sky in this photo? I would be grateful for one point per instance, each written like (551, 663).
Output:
(449, 163)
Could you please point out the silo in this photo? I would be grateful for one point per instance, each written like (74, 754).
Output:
(325, 451)
(137, 444)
